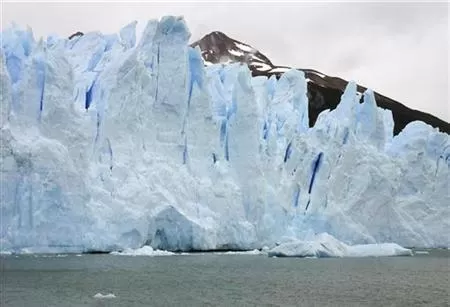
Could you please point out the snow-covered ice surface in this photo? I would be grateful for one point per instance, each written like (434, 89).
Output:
(325, 245)
(110, 144)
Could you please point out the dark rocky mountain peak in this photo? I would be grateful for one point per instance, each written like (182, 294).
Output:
(76, 34)
(324, 92)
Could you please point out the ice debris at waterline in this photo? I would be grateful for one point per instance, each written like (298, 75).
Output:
(143, 251)
(324, 245)
(149, 251)
(108, 144)
(421, 252)
(320, 246)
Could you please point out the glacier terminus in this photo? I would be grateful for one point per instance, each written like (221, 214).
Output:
(111, 143)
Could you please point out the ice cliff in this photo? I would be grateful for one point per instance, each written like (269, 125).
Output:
(108, 143)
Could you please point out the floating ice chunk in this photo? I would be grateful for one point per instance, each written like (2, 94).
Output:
(377, 250)
(421, 252)
(104, 296)
(325, 245)
(49, 255)
(252, 252)
(143, 251)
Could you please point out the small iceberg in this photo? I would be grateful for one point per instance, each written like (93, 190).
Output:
(104, 296)
(143, 251)
(250, 252)
(421, 252)
(378, 250)
(325, 245)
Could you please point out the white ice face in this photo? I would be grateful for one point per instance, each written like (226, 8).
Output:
(107, 144)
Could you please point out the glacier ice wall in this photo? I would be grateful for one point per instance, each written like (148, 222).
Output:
(108, 143)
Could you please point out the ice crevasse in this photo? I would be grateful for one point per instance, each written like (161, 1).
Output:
(110, 143)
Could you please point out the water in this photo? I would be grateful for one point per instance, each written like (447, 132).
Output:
(225, 280)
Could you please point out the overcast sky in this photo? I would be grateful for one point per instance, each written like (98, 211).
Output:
(400, 50)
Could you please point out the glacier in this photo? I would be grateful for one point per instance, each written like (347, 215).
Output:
(109, 143)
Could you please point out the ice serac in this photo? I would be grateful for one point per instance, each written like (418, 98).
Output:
(108, 144)
(128, 35)
(6, 93)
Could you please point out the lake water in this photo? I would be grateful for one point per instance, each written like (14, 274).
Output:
(225, 280)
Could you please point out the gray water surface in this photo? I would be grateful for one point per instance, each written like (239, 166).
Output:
(225, 280)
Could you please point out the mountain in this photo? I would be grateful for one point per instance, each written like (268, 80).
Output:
(324, 92)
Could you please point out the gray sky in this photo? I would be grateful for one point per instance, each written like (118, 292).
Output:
(400, 50)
